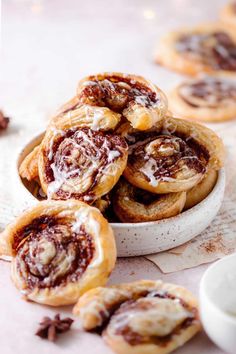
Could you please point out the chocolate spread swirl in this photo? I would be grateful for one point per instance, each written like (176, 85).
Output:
(209, 92)
(49, 253)
(81, 156)
(164, 157)
(117, 93)
(217, 49)
(134, 338)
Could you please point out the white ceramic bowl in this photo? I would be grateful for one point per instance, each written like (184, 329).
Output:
(135, 239)
(218, 303)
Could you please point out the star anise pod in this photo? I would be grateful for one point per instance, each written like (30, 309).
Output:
(49, 328)
(4, 121)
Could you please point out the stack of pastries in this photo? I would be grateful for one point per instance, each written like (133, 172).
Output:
(114, 146)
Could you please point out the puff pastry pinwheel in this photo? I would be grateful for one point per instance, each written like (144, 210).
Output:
(209, 48)
(60, 250)
(207, 99)
(132, 204)
(171, 159)
(136, 98)
(81, 158)
(141, 317)
(228, 14)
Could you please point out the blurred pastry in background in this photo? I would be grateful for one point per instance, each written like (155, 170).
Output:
(208, 48)
(206, 99)
(228, 14)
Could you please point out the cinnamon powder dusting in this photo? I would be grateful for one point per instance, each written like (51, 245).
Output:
(214, 245)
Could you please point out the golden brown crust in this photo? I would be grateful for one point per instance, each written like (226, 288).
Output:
(135, 205)
(173, 158)
(141, 102)
(47, 240)
(29, 167)
(201, 190)
(207, 99)
(79, 157)
(191, 62)
(107, 305)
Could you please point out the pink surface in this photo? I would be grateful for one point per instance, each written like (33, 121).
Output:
(19, 319)
(47, 46)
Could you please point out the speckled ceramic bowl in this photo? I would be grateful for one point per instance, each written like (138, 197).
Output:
(135, 239)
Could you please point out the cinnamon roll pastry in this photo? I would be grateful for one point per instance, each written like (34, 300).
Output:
(201, 190)
(172, 159)
(29, 167)
(141, 317)
(209, 48)
(208, 99)
(60, 250)
(137, 99)
(77, 161)
(132, 204)
(228, 14)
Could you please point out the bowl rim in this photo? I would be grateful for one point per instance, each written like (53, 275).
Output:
(203, 291)
(179, 217)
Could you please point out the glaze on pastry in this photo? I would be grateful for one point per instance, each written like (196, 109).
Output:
(140, 317)
(208, 99)
(60, 250)
(136, 98)
(228, 14)
(81, 159)
(172, 159)
(132, 204)
(209, 48)
(201, 190)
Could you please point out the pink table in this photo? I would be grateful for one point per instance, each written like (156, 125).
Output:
(47, 46)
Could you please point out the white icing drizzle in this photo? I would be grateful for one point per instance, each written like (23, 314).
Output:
(55, 132)
(160, 319)
(112, 155)
(149, 168)
(86, 216)
(87, 159)
(165, 149)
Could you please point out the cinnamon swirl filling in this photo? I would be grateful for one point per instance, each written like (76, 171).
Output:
(216, 49)
(51, 252)
(117, 93)
(165, 158)
(77, 161)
